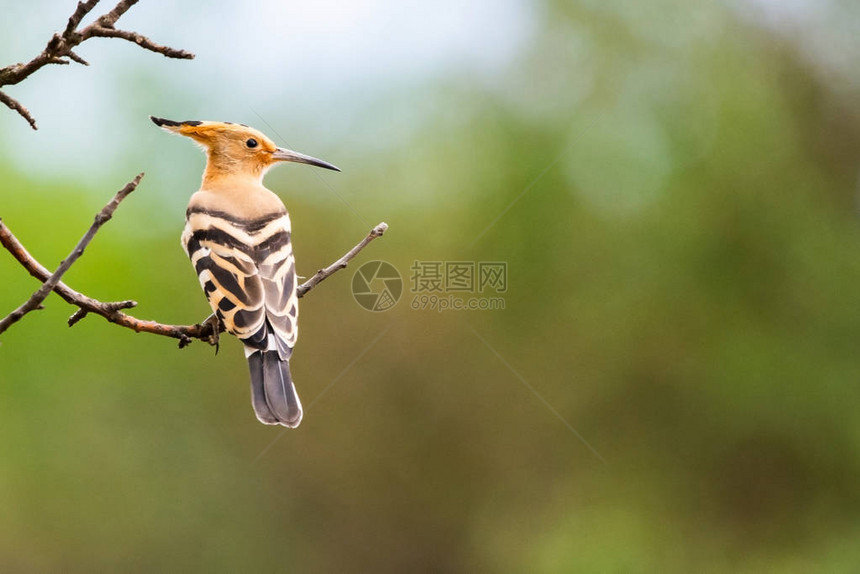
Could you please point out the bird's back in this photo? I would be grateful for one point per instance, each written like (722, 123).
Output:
(240, 247)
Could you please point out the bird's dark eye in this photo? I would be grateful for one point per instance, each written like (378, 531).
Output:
(251, 142)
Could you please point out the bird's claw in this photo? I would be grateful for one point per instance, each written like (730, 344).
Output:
(214, 323)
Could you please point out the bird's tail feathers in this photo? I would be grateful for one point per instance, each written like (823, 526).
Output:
(273, 393)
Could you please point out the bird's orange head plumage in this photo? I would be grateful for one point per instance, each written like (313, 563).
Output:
(236, 148)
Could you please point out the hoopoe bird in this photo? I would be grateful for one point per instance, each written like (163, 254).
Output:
(237, 235)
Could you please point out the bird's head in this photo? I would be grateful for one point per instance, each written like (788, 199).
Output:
(236, 148)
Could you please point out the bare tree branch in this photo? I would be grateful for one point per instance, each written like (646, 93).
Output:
(109, 19)
(61, 46)
(141, 41)
(82, 10)
(16, 106)
(207, 330)
(110, 311)
(341, 263)
(102, 217)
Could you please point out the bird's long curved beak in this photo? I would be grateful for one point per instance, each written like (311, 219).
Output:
(282, 154)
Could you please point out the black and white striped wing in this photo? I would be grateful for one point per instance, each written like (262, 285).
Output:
(247, 270)
(277, 269)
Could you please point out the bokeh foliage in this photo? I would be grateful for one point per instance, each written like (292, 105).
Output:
(683, 275)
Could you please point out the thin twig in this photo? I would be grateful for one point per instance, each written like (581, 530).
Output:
(82, 10)
(16, 106)
(142, 41)
(341, 263)
(103, 216)
(61, 46)
(109, 19)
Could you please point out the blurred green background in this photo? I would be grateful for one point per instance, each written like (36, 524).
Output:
(673, 186)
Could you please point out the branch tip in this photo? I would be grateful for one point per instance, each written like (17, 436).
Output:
(341, 263)
(16, 106)
(77, 316)
(78, 59)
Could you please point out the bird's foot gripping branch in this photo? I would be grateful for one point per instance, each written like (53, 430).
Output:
(113, 311)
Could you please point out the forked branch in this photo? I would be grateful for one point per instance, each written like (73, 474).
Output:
(102, 217)
(60, 48)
